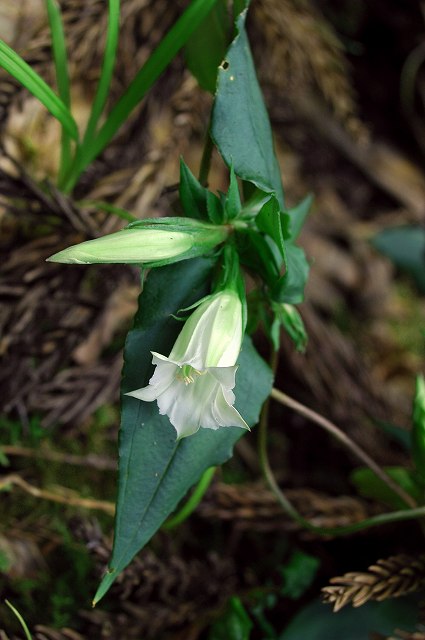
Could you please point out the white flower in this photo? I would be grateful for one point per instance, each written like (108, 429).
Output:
(193, 386)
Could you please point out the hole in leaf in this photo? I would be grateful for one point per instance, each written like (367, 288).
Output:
(225, 65)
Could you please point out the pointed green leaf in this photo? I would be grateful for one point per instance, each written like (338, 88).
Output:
(214, 208)
(240, 123)
(270, 221)
(207, 46)
(155, 470)
(254, 200)
(418, 431)
(370, 486)
(234, 624)
(297, 216)
(405, 246)
(193, 195)
(287, 316)
(232, 203)
(256, 254)
(19, 69)
(290, 287)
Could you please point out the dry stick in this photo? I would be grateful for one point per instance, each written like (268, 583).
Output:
(91, 460)
(374, 521)
(74, 501)
(338, 434)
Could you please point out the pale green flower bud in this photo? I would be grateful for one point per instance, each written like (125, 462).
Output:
(154, 242)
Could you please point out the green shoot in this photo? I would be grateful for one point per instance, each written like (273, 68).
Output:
(19, 69)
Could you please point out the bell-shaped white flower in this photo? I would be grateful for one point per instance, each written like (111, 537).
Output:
(194, 385)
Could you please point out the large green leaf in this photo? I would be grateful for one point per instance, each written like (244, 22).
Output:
(272, 221)
(23, 73)
(405, 246)
(240, 124)
(207, 45)
(370, 486)
(155, 471)
(290, 287)
(317, 621)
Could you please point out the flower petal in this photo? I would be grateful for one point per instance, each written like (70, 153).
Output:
(224, 375)
(225, 414)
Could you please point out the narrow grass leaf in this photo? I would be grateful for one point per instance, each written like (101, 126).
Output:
(62, 79)
(107, 71)
(173, 41)
(19, 69)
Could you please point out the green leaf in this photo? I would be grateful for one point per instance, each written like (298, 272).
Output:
(418, 431)
(19, 69)
(370, 486)
(22, 622)
(287, 316)
(317, 621)
(254, 200)
(155, 470)
(405, 246)
(214, 208)
(154, 66)
(108, 65)
(270, 221)
(290, 287)
(62, 78)
(297, 216)
(240, 123)
(232, 204)
(298, 574)
(256, 254)
(193, 196)
(235, 624)
(207, 46)
(397, 434)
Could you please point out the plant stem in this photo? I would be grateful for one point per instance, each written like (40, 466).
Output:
(206, 158)
(193, 501)
(342, 437)
(21, 620)
(384, 518)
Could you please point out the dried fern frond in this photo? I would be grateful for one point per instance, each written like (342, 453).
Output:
(254, 507)
(389, 578)
(400, 635)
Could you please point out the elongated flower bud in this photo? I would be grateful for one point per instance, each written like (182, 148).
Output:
(154, 242)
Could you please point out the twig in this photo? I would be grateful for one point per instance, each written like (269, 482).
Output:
(206, 158)
(74, 501)
(91, 460)
(384, 518)
(342, 437)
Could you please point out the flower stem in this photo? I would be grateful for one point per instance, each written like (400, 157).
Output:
(206, 158)
(342, 437)
(193, 501)
(384, 518)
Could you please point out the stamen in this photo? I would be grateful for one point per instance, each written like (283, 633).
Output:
(186, 374)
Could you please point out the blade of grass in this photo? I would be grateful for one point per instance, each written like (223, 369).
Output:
(19, 69)
(110, 208)
(62, 80)
(173, 41)
(21, 620)
(106, 74)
